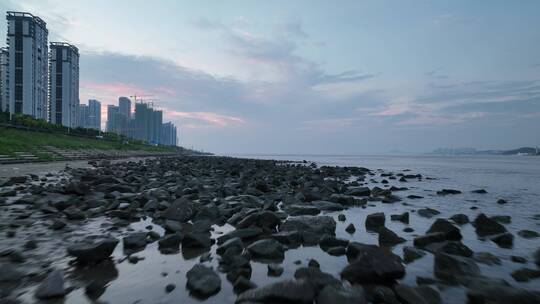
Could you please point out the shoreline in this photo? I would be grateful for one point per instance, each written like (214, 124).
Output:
(250, 222)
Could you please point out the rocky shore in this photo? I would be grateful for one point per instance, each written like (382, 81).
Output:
(223, 230)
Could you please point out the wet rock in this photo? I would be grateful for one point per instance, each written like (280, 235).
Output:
(375, 221)
(315, 277)
(350, 228)
(424, 240)
(358, 191)
(528, 234)
(337, 294)
(485, 226)
(314, 263)
(380, 294)
(408, 229)
(267, 220)
(427, 212)
(327, 206)
(180, 210)
(290, 291)
(58, 224)
(450, 247)
(295, 210)
(505, 219)
(416, 295)
(310, 227)
(373, 265)
(52, 286)
(518, 259)
(504, 240)
(411, 254)
(487, 291)
(267, 249)
(242, 284)
(274, 270)
(202, 281)
(388, 237)
(501, 201)
(10, 273)
(91, 251)
(135, 240)
(15, 180)
(197, 240)
(404, 217)
(244, 234)
(479, 191)
(450, 231)
(341, 217)
(170, 241)
(328, 242)
(448, 192)
(234, 244)
(292, 239)
(169, 288)
(460, 219)
(525, 274)
(486, 258)
(537, 257)
(453, 267)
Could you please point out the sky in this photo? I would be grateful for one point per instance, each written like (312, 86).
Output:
(313, 77)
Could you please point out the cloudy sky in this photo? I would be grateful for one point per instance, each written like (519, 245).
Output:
(340, 77)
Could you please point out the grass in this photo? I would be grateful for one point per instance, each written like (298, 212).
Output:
(13, 140)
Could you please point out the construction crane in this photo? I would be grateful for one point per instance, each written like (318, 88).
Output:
(139, 97)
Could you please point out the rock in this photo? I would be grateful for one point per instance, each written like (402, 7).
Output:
(244, 234)
(295, 210)
(315, 277)
(202, 281)
(180, 210)
(358, 191)
(337, 251)
(479, 191)
(328, 242)
(90, 251)
(537, 257)
(58, 224)
(267, 220)
(290, 291)
(427, 212)
(274, 270)
(505, 219)
(312, 228)
(234, 244)
(501, 201)
(504, 240)
(327, 206)
(518, 259)
(15, 180)
(169, 288)
(135, 240)
(373, 265)
(424, 240)
(242, 284)
(411, 254)
(486, 258)
(450, 231)
(375, 221)
(341, 217)
(452, 267)
(389, 238)
(525, 274)
(350, 228)
(460, 219)
(485, 226)
(528, 234)
(267, 249)
(197, 240)
(52, 286)
(448, 192)
(10, 273)
(336, 294)
(416, 295)
(498, 293)
(450, 247)
(404, 217)
(380, 294)
(292, 239)
(170, 241)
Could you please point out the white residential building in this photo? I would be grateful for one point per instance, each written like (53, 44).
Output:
(64, 84)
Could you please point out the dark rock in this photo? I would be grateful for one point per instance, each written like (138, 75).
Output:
(135, 240)
(310, 226)
(202, 281)
(448, 191)
(411, 254)
(234, 245)
(169, 288)
(58, 224)
(453, 267)
(52, 286)
(380, 294)
(350, 228)
(537, 257)
(295, 210)
(327, 206)
(525, 274)
(518, 259)
(450, 247)
(242, 284)
(501, 201)
(328, 242)
(416, 295)
(267, 220)
(373, 265)
(314, 263)
(388, 237)
(504, 240)
(479, 191)
(424, 240)
(292, 239)
(404, 217)
(486, 258)
(274, 270)
(499, 293)
(180, 210)
(244, 234)
(460, 219)
(528, 234)
(290, 291)
(197, 240)
(450, 231)
(267, 249)
(170, 241)
(90, 251)
(505, 219)
(341, 217)
(359, 191)
(315, 277)
(375, 221)
(336, 294)
(486, 226)
(427, 212)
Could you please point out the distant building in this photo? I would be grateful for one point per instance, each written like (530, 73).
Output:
(28, 64)
(84, 116)
(112, 112)
(4, 83)
(168, 134)
(94, 114)
(64, 84)
(124, 104)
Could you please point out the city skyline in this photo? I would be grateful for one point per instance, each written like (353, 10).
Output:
(353, 78)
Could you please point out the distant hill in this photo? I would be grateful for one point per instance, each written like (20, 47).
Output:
(523, 150)
(472, 151)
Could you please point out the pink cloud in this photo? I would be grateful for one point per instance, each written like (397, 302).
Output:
(200, 119)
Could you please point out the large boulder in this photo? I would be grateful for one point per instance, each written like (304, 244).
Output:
(487, 226)
(93, 251)
(453, 268)
(337, 294)
(374, 265)
(180, 210)
(295, 210)
(375, 221)
(388, 237)
(245, 234)
(197, 240)
(417, 295)
(203, 281)
(290, 291)
(483, 290)
(450, 231)
(311, 228)
(316, 277)
(135, 240)
(267, 220)
(52, 286)
(267, 249)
